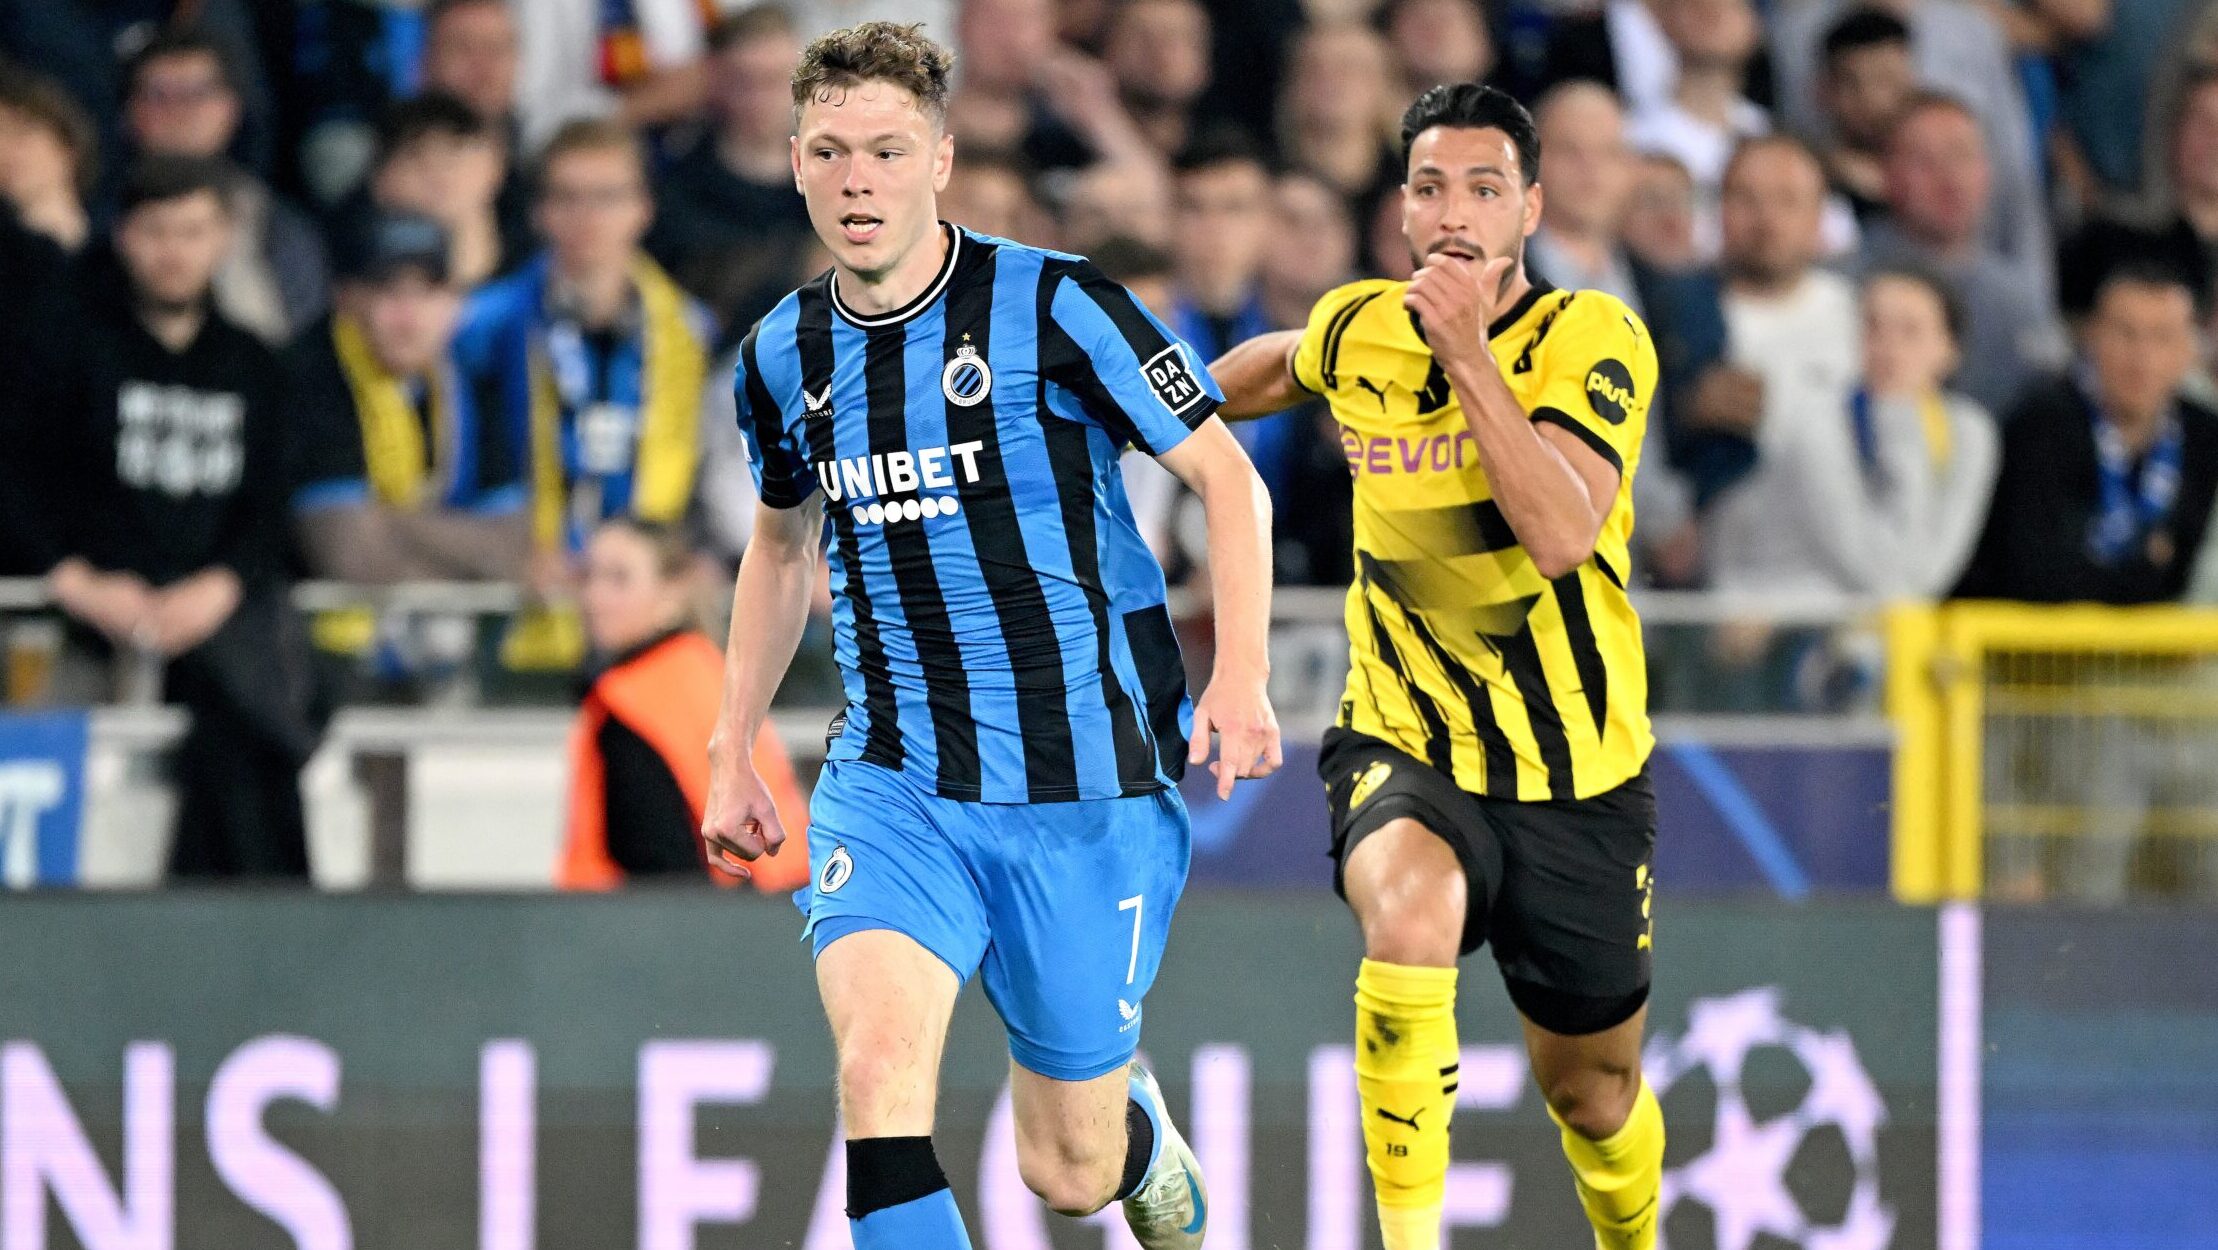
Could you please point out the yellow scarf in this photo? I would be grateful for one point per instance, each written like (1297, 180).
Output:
(1933, 414)
(675, 366)
(392, 436)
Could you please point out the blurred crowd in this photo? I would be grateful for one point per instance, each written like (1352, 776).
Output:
(386, 290)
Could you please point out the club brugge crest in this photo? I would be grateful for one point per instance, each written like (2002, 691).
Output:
(967, 379)
(837, 870)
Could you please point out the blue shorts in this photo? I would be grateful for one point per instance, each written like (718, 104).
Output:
(1065, 906)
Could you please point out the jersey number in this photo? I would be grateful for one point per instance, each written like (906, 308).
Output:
(1135, 906)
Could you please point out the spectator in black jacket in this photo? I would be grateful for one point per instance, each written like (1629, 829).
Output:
(170, 491)
(2108, 474)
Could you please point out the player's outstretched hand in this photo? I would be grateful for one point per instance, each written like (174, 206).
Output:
(741, 823)
(1455, 300)
(1238, 711)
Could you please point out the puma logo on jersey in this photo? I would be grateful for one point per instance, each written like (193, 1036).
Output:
(1373, 387)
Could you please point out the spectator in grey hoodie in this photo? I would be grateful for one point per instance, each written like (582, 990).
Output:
(1880, 492)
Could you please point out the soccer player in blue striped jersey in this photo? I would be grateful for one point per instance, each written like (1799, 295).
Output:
(943, 412)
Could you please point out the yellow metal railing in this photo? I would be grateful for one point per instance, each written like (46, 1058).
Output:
(2053, 751)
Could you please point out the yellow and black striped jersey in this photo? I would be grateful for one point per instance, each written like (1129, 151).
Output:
(1461, 653)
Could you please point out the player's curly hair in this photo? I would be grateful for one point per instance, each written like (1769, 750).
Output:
(876, 52)
(1470, 105)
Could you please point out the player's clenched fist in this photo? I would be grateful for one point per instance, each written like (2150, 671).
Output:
(1239, 711)
(1454, 298)
(741, 822)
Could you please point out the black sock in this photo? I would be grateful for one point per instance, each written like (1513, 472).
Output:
(888, 1171)
(1140, 1136)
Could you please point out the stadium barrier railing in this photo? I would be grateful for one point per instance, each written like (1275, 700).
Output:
(2054, 751)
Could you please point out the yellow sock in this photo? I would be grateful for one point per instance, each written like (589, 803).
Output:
(1620, 1177)
(1405, 1070)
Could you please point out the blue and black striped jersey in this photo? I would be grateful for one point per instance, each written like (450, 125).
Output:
(999, 623)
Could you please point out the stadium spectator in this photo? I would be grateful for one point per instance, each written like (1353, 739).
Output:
(1587, 171)
(471, 52)
(600, 358)
(40, 291)
(347, 61)
(1310, 248)
(1867, 77)
(171, 490)
(87, 46)
(727, 219)
(1790, 325)
(1158, 51)
(438, 157)
(404, 469)
(48, 158)
(1617, 43)
(1959, 50)
(640, 65)
(1437, 41)
(181, 100)
(2108, 473)
(638, 767)
(1131, 200)
(990, 194)
(1706, 114)
(1659, 215)
(1938, 189)
(1221, 226)
(1336, 118)
(1878, 489)
(1021, 93)
(2106, 56)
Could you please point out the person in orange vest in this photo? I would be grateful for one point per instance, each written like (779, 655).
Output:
(639, 752)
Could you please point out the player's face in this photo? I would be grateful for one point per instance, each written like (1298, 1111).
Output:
(1466, 196)
(625, 599)
(871, 163)
(171, 248)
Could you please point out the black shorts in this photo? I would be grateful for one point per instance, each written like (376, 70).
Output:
(1561, 887)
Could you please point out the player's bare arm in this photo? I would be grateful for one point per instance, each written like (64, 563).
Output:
(1257, 376)
(770, 607)
(1236, 703)
(1554, 491)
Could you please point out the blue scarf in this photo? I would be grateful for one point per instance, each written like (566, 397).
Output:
(2135, 500)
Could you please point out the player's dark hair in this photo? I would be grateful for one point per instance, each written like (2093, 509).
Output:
(876, 52)
(1861, 29)
(1220, 144)
(1124, 260)
(756, 21)
(181, 41)
(1473, 106)
(406, 123)
(1953, 316)
(159, 179)
(49, 106)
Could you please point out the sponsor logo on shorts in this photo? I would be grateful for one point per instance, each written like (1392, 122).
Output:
(1368, 784)
(1130, 1013)
(837, 871)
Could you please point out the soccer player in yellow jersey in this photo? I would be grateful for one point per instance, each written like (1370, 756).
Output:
(1488, 774)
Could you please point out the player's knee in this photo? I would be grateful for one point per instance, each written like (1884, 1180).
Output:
(1409, 893)
(1594, 1100)
(1070, 1181)
(880, 1087)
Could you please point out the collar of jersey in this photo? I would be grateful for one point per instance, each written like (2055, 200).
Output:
(1533, 295)
(913, 307)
